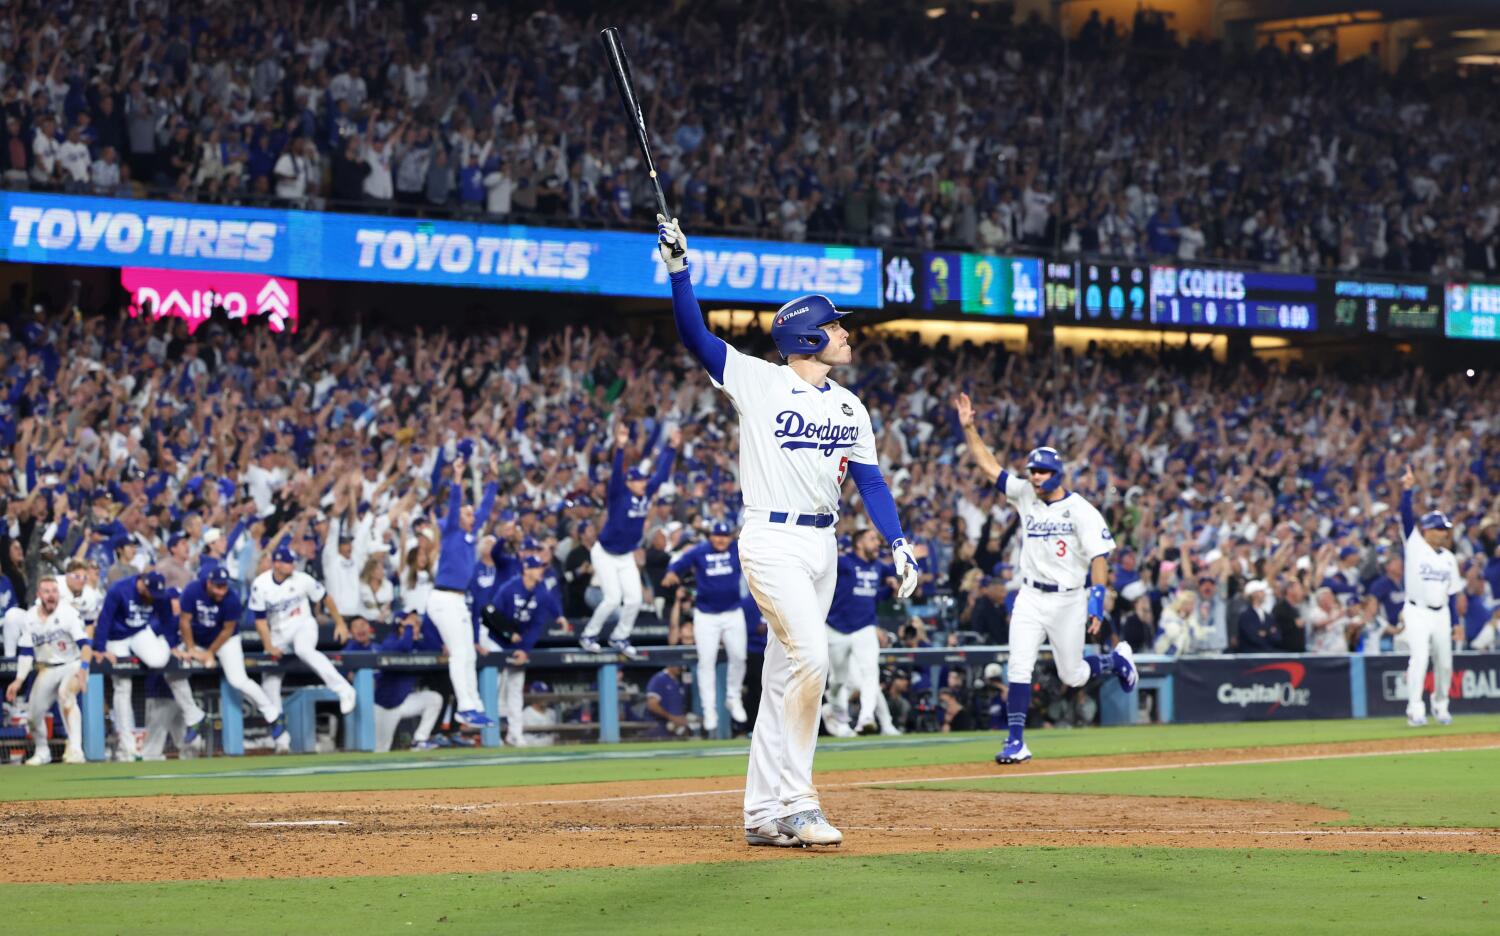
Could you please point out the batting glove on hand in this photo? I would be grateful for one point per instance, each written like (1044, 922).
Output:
(669, 235)
(906, 567)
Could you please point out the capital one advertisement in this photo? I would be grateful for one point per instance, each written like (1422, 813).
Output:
(194, 297)
(1262, 689)
(41, 228)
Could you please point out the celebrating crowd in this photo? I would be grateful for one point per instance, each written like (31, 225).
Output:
(803, 122)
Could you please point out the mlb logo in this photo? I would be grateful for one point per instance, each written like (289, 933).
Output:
(1393, 686)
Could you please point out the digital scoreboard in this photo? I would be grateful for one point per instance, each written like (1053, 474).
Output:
(1196, 297)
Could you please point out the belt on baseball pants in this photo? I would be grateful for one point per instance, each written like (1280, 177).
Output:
(1049, 587)
(454, 591)
(808, 520)
(1428, 607)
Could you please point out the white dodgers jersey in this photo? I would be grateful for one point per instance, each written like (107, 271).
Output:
(796, 440)
(1061, 538)
(53, 639)
(1431, 574)
(287, 603)
(87, 602)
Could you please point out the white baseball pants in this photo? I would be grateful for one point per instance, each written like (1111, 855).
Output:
(854, 665)
(55, 684)
(231, 657)
(424, 704)
(513, 703)
(1429, 634)
(152, 650)
(792, 572)
(301, 639)
(1059, 617)
(711, 628)
(164, 720)
(450, 613)
(619, 578)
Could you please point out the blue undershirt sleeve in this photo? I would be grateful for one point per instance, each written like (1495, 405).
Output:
(879, 503)
(707, 348)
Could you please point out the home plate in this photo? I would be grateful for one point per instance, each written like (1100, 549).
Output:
(299, 822)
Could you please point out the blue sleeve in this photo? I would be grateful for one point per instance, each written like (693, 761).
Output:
(455, 504)
(1408, 516)
(533, 631)
(157, 486)
(234, 609)
(708, 349)
(31, 473)
(107, 615)
(488, 503)
(617, 474)
(235, 533)
(663, 469)
(682, 562)
(879, 503)
(62, 529)
(437, 471)
(398, 642)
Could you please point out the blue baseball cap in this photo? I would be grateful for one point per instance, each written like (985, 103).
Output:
(218, 575)
(635, 474)
(1348, 551)
(155, 584)
(283, 554)
(1436, 520)
(532, 562)
(529, 544)
(720, 528)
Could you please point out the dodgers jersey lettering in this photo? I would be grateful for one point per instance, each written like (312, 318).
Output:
(796, 440)
(1061, 538)
(287, 602)
(53, 639)
(715, 574)
(855, 596)
(1431, 574)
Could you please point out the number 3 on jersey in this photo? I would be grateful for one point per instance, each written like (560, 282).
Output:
(1062, 548)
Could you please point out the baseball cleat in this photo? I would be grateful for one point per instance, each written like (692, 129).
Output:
(195, 731)
(1125, 666)
(41, 758)
(589, 644)
(890, 731)
(425, 745)
(1014, 752)
(473, 718)
(866, 727)
(624, 649)
(736, 709)
(278, 727)
(810, 827)
(1417, 721)
(348, 699)
(835, 726)
(1444, 719)
(769, 834)
(74, 756)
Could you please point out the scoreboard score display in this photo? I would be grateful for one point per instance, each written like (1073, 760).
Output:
(1473, 311)
(1114, 292)
(1194, 297)
(983, 284)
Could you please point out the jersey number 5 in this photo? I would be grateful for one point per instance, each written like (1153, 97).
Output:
(1062, 547)
(843, 468)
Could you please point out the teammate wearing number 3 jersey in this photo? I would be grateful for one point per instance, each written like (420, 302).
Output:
(801, 434)
(1065, 540)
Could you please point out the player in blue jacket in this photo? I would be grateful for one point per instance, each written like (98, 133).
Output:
(397, 695)
(853, 644)
(210, 626)
(137, 611)
(447, 607)
(516, 619)
(717, 617)
(613, 555)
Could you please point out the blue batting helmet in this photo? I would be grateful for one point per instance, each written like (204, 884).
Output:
(798, 325)
(1436, 520)
(1046, 459)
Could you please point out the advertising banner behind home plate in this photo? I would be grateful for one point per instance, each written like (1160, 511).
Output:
(194, 296)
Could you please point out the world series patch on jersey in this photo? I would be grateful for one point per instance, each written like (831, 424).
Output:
(796, 441)
(1061, 538)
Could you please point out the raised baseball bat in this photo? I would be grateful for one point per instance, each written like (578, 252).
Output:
(620, 66)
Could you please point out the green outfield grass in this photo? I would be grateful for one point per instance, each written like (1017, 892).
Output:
(1451, 789)
(593, 763)
(1021, 890)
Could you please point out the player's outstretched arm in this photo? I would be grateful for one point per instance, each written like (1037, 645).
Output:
(1408, 490)
(983, 457)
(709, 350)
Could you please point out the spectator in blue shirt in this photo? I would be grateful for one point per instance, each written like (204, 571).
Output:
(666, 704)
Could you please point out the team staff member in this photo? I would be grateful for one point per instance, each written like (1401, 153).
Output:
(396, 694)
(448, 608)
(519, 614)
(210, 627)
(1432, 579)
(613, 556)
(52, 637)
(717, 618)
(853, 644)
(137, 610)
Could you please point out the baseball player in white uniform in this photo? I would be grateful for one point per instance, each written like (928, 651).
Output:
(76, 590)
(281, 600)
(1432, 577)
(53, 639)
(801, 435)
(1066, 540)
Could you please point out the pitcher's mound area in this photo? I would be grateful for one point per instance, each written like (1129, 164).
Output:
(663, 822)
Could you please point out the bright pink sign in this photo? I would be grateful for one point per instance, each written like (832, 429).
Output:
(194, 296)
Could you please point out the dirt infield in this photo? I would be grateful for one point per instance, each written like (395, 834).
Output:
(663, 822)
